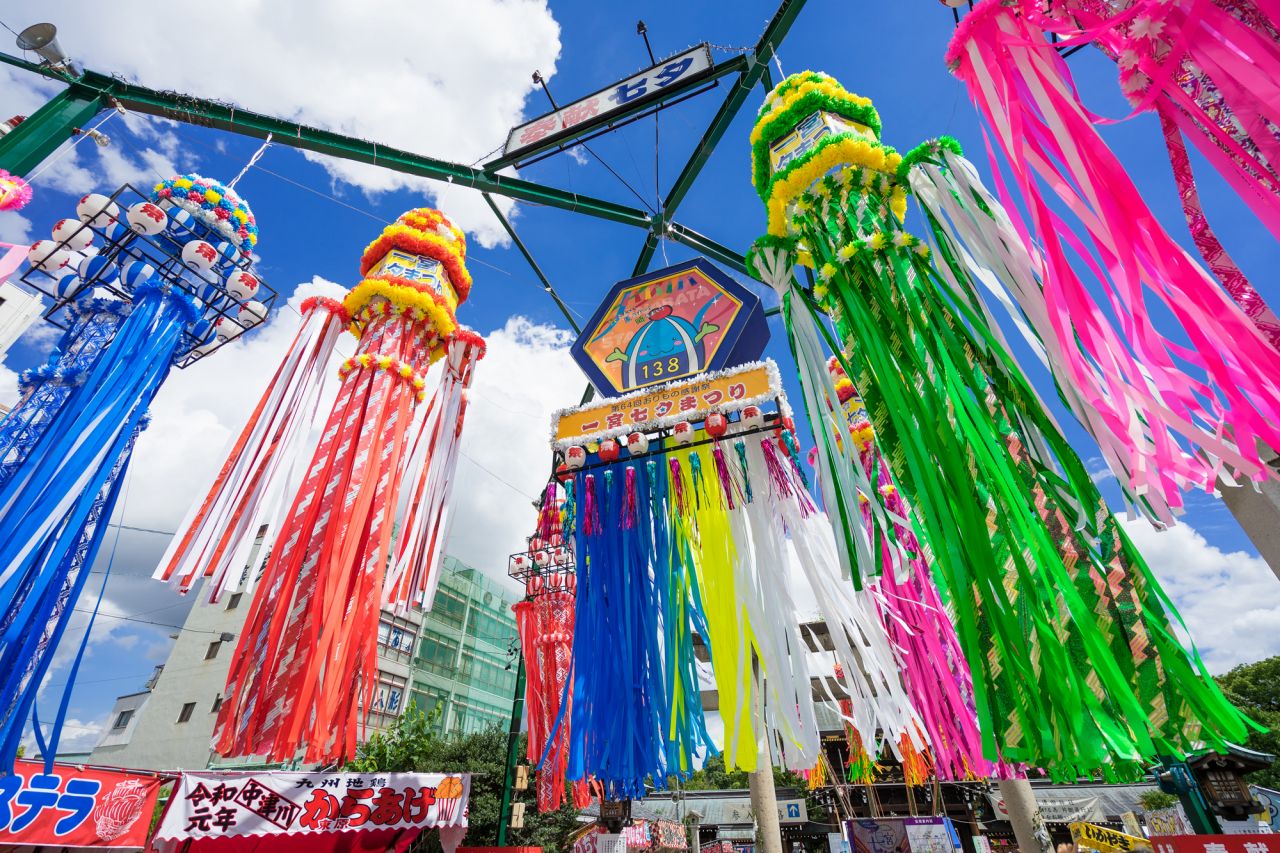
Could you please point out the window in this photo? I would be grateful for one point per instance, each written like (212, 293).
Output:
(234, 601)
(212, 652)
(217, 704)
(186, 712)
(123, 719)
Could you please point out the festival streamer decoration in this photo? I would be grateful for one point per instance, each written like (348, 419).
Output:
(1071, 643)
(681, 538)
(545, 622)
(306, 662)
(261, 472)
(1171, 416)
(1208, 69)
(144, 300)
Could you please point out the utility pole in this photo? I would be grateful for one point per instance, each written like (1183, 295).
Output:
(513, 743)
(764, 799)
(1024, 814)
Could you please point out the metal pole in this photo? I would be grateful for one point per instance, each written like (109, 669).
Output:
(764, 799)
(513, 742)
(24, 147)
(1024, 814)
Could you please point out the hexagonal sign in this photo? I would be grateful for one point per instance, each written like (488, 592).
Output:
(670, 324)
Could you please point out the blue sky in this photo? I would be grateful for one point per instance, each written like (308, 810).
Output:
(455, 100)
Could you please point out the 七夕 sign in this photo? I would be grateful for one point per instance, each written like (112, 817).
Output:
(681, 401)
(641, 87)
(75, 806)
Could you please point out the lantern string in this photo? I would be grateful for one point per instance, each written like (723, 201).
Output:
(257, 155)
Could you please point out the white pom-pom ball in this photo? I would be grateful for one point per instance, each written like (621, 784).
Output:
(242, 285)
(72, 234)
(147, 218)
(98, 270)
(226, 329)
(68, 285)
(199, 255)
(137, 273)
(252, 313)
(97, 209)
(48, 257)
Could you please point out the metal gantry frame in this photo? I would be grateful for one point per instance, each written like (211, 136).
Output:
(36, 138)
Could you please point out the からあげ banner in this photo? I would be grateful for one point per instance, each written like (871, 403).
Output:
(269, 802)
(75, 806)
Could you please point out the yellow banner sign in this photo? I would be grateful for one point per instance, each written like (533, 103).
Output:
(667, 405)
(1106, 840)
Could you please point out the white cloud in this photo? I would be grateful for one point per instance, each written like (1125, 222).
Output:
(77, 735)
(525, 376)
(448, 81)
(1230, 601)
(14, 227)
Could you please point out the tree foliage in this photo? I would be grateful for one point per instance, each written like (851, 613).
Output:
(1254, 688)
(1154, 801)
(412, 744)
(714, 777)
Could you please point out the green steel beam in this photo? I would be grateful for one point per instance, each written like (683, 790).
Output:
(28, 144)
(707, 246)
(537, 270)
(684, 87)
(513, 754)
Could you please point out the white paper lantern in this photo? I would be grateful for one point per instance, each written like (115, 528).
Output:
(242, 285)
(752, 417)
(137, 273)
(575, 457)
(637, 443)
(179, 226)
(147, 218)
(252, 313)
(72, 234)
(199, 255)
(226, 329)
(98, 210)
(227, 253)
(118, 232)
(48, 257)
(683, 432)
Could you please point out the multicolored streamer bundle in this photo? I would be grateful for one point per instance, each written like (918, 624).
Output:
(53, 503)
(262, 470)
(423, 513)
(1076, 664)
(1178, 415)
(306, 662)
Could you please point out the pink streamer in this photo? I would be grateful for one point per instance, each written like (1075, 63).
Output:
(1137, 380)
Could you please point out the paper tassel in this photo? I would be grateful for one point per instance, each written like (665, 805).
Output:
(1221, 395)
(261, 472)
(424, 515)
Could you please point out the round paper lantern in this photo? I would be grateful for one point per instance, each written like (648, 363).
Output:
(716, 424)
(68, 285)
(682, 433)
(226, 329)
(118, 232)
(575, 457)
(180, 222)
(136, 273)
(752, 417)
(147, 218)
(637, 443)
(227, 254)
(97, 210)
(609, 450)
(96, 269)
(48, 257)
(72, 234)
(252, 313)
(242, 285)
(199, 255)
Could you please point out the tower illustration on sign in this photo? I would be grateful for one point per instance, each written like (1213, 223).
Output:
(670, 324)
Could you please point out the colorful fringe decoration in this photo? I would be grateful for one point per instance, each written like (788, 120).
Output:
(262, 470)
(306, 662)
(1171, 416)
(54, 501)
(1071, 642)
(424, 513)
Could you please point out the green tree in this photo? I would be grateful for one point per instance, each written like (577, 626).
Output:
(1254, 688)
(413, 744)
(1154, 801)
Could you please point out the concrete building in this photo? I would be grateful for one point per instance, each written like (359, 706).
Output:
(169, 724)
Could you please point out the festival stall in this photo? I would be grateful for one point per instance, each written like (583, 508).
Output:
(650, 836)
(281, 811)
(71, 805)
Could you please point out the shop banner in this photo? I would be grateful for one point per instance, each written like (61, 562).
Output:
(903, 835)
(1086, 835)
(75, 806)
(272, 802)
(1055, 809)
(1264, 843)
